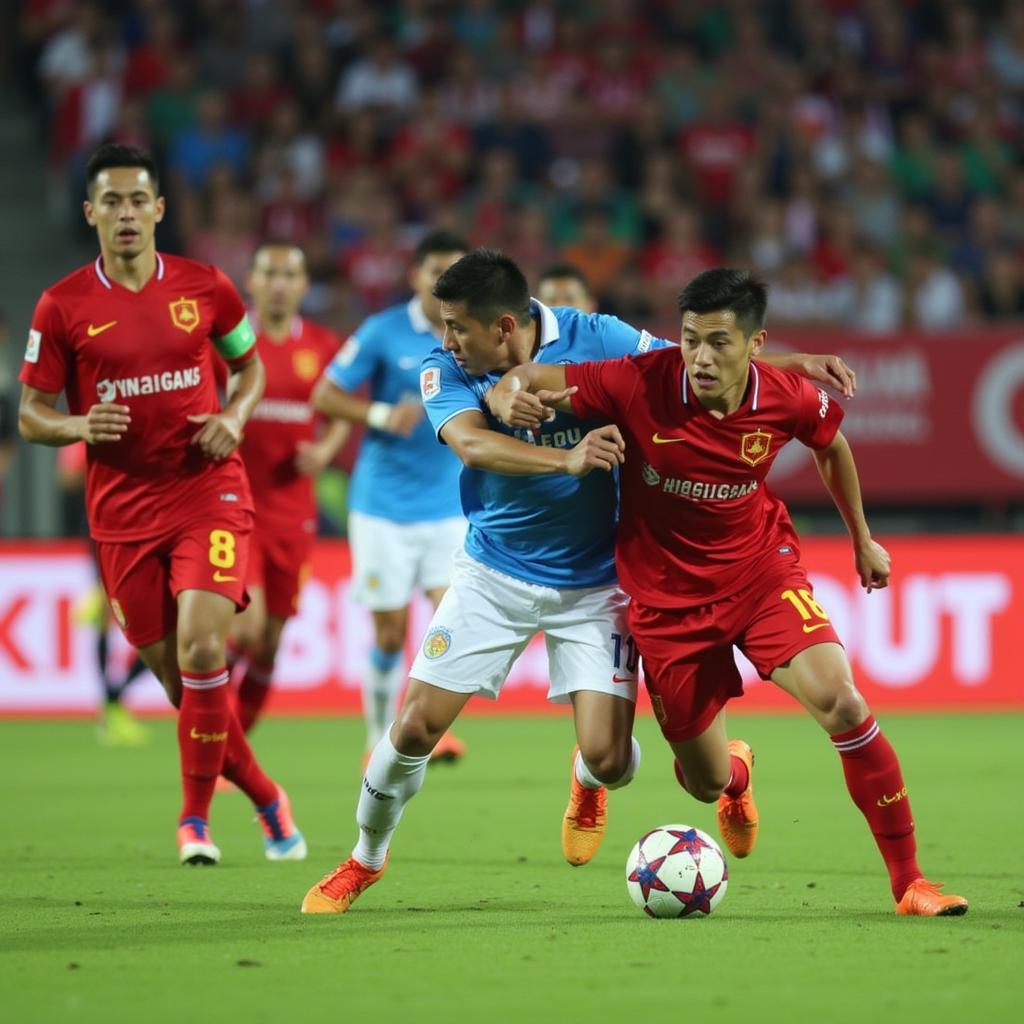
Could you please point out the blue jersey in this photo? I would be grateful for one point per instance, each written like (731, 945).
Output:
(557, 530)
(404, 479)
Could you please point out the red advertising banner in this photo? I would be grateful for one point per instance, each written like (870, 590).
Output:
(936, 416)
(943, 635)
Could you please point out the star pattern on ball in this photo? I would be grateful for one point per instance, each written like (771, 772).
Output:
(687, 841)
(699, 900)
(645, 874)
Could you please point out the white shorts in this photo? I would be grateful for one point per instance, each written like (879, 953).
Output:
(486, 619)
(390, 560)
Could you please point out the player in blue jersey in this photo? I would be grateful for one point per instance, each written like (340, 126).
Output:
(538, 556)
(405, 519)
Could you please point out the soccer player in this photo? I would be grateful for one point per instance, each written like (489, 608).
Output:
(126, 338)
(563, 284)
(710, 558)
(406, 520)
(282, 455)
(539, 556)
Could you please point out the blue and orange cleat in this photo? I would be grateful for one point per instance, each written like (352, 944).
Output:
(585, 819)
(194, 843)
(924, 899)
(336, 892)
(737, 816)
(449, 748)
(283, 841)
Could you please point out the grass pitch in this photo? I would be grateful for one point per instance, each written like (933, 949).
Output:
(478, 918)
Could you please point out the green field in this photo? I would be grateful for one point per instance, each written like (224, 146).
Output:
(478, 918)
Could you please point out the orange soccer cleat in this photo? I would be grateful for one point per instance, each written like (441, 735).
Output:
(585, 819)
(923, 899)
(737, 816)
(336, 892)
(449, 748)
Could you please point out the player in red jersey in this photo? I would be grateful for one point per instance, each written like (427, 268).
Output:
(709, 556)
(126, 338)
(282, 455)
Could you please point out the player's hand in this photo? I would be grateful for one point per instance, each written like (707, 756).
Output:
(105, 422)
(602, 448)
(873, 565)
(519, 408)
(219, 435)
(404, 418)
(311, 458)
(833, 371)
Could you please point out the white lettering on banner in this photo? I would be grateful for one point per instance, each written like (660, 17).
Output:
(992, 408)
(973, 600)
(925, 626)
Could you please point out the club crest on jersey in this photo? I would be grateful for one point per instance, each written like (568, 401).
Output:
(305, 364)
(754, 447)
(430, 383)
(437, 643)
(651, 476)
(35, 339)
(184, 314)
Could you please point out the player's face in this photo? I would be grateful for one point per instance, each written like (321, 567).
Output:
(423, 277)
(125, 210)
(478, 348)
(278, 281)
(717, 354)
(565, 291)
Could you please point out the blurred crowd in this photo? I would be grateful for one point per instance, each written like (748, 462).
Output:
(863, 156)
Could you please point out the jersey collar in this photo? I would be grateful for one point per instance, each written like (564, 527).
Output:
(549, 331)
(105, 281)
(418, 319)
(756, 381)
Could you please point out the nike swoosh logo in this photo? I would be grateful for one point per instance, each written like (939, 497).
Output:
(811, 629)
(92, 331)
(219, 577)
(622, 679)
(658, 439)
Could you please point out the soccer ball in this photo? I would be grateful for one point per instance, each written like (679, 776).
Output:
(676, 871)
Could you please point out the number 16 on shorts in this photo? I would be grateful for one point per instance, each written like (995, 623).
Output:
(625, 658)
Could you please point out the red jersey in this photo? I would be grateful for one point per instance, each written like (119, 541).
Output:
(696, 521)
(283, 496)
(149, 350)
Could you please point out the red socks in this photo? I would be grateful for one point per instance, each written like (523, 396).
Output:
(202, 737)
(253, 693)
(242, 768)
(739, 776)
(876, 785)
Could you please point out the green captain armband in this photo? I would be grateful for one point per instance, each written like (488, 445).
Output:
(237, 342)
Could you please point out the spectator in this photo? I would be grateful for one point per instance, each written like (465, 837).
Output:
(380, 81)
(935, 296)
(596, 250)
(1001, 291)
(212, 141)
(869, 299)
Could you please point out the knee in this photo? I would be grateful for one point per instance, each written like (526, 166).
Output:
(608, 764)
(843, 708)
(390, 636)
(414, 733)
(203, 652)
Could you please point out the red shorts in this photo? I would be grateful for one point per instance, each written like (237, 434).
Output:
(689, 667)
(279, 563)
(143, 578)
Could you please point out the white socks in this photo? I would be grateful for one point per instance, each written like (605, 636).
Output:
(391, 781)
(382, 684)
(587, 781)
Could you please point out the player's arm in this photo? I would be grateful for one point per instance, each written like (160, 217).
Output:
(41, 422)
(479, 447)
(839, 474)
(527, 395)
(822, 369)
(337, 403)
(313, 457)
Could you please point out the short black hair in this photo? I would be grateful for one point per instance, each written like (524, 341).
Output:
(723, 288)
(440, 240)
(113, 154)
(276, 243)
(489, 283)
(569, 270)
